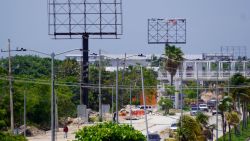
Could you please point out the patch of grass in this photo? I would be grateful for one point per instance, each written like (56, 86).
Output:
(243, 134)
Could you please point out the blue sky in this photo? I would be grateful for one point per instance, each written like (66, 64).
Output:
(210, 25)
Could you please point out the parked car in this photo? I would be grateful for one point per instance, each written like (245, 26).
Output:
(211, 103)
(194, 111)
(203, 107)
(154, 137)
(149, 108)
(173, 127)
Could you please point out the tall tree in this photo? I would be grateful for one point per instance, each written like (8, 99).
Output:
(166, 104)
(225, 105)
(190, 130)
(174, 58)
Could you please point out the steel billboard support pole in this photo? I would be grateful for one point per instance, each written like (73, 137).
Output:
(81, 82)
(85, 51)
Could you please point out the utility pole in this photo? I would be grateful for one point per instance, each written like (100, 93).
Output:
(197, 85)
(11, 93)
(123, 73)
(217, 102)
(100, 96)
(10, 85)
(130, 102)
(144, 103)
(52, 99)
(112, 99)
(116, 89)
(24, 113)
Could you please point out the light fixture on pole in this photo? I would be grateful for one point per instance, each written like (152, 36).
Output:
(53, 96)
(217, 93)
(100, 95)
(144, 103)
(10, 85)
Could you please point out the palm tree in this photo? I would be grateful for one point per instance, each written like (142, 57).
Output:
(174, 60)
(241, 95)
(232, 118)
(225, 105)
(203, 119)
(190, 130)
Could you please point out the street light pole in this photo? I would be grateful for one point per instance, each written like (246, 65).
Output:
(197, 84)
(112, 99)
(116, 97)
(24, 113)
(100, 96)
(144, 103)
(52, 99)
(216, 89)
(11, 93)
(130, 102)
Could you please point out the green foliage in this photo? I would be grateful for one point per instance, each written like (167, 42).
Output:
(109, 132)
(2, 121)
(189, 89)
(202, 118)
(191, 129)
(175, 58)
(32, 76)
(9, 137)
(244, 135)
(166, 104)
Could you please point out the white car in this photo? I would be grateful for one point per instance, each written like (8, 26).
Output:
(203, 107)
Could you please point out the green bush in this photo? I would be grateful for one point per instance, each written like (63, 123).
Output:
(9, 137)
(109, 131)
(171, 113)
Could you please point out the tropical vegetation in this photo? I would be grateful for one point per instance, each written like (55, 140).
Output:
(31, 75)
(174, 58)
(109, 131)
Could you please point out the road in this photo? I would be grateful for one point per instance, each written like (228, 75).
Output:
(156, 124)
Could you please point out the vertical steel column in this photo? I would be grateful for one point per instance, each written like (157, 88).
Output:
(85, 60)
(81, 82)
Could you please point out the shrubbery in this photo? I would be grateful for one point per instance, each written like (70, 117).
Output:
(109, 131)
(9, 137)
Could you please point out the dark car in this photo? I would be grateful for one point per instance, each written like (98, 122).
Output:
(214, 111)
(154, 137)
(194, 111)
(211, 103)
